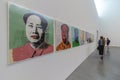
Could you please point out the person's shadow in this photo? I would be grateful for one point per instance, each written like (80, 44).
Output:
(108, 51)
(101, 71)
(107, 54)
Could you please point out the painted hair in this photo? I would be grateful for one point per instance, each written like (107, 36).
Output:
(44, 22)
(65, 26)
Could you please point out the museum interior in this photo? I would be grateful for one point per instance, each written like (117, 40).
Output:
(70, 30)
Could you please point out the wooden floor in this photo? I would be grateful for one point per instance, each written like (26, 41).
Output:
(93, 68)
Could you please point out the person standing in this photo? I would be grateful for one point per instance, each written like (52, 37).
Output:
(104, 42)
(108, 43)
(101, 47)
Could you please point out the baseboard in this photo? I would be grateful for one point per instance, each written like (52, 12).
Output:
(115, 46)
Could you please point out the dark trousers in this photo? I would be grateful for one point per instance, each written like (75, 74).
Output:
(101, 49)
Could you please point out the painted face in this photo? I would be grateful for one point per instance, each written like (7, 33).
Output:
(33, 28)
(76, 33)
(64, 34)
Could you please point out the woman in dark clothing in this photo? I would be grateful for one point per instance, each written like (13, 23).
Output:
(101, 47)
(108, 43)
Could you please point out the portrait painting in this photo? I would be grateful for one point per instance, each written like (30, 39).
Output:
(90, 37)
(81, 37)
(31, 33)
(75, 37)
(62, 36)
(85, 37)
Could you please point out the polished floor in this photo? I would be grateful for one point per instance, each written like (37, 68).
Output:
(93, 68)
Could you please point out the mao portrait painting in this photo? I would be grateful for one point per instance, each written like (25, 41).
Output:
(90, 37)
(62, 36)
(81, 37)
(30, 34)
(75, 37)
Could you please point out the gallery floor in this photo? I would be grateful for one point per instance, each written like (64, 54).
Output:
(93, 68)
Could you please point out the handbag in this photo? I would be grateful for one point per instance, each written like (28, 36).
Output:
(98, 48)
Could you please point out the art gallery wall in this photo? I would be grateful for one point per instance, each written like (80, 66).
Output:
(59, 65)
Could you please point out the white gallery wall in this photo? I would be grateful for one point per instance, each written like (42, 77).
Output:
(109, 13)
(56, 66)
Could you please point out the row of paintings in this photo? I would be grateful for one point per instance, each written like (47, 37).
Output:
(32, 34)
